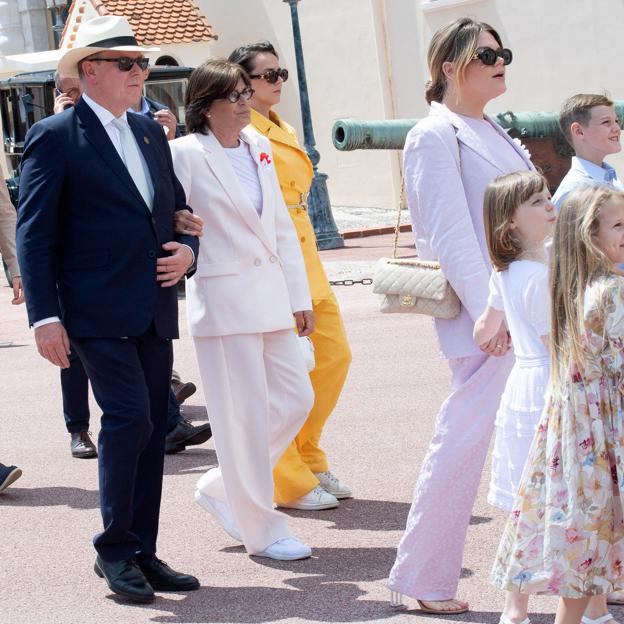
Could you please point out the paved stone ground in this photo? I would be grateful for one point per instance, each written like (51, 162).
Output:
(375, 440)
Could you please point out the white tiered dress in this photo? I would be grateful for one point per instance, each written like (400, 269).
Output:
(522, 293)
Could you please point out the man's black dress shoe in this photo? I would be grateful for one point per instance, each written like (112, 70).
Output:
(125, 578)
(82, 446)
(185, 434)
(162, 578)
(183, 390)
(8, 474)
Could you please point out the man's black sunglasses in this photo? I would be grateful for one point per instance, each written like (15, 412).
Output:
(125, 63)
(488, 56)
(271, 75)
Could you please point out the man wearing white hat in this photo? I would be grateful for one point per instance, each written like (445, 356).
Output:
(100, 261)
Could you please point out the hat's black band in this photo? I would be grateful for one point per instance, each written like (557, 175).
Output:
(114, 42)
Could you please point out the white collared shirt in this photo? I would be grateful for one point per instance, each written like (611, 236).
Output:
(585, 173)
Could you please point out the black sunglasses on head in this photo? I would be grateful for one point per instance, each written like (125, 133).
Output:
(271, 75)
(125, 63)
(489, 56)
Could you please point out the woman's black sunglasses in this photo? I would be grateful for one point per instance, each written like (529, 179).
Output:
(488, 56)
(271, 75)
(124, 63)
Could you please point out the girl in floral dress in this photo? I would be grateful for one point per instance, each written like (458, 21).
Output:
(518, 217)
(565, 535)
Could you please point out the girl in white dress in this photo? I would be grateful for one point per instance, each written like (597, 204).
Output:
(519, 217)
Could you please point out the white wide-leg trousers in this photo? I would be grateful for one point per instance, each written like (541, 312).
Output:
(429, 556)
(258, 395)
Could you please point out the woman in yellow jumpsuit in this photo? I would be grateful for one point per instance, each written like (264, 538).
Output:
(302, 476)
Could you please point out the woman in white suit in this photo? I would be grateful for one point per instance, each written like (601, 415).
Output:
(449, 159)
(248, 293)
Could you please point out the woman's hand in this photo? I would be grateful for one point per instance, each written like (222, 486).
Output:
(304, 319)
(185, 222)
(498, 345)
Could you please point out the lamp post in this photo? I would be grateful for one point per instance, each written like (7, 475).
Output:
(319, 207)
(59, 10)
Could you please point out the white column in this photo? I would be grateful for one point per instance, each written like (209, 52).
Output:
(34, 25)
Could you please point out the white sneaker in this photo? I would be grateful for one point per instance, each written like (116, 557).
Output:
(331, 484)
(317, 498)
(221, 512)
(287, 549)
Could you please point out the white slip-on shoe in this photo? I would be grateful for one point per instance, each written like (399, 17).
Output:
(220, 512)
(603, 619)
(330, 483)
(315, 499)
(286, 549)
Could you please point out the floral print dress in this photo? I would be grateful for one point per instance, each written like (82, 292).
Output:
(565, 534)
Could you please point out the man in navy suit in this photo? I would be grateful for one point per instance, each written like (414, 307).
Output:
(100, 262)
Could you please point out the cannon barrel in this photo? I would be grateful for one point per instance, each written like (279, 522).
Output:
(353, 134)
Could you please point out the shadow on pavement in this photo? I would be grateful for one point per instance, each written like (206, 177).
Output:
(354, 513)
(194, 412)
(329, 594)
(194, 460)
(73, 497)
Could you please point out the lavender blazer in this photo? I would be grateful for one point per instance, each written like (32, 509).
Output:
(447, 167)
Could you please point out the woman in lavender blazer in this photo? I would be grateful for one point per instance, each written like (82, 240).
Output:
(449, 159)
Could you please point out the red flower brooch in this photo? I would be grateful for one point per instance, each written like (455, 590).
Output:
(264, 157)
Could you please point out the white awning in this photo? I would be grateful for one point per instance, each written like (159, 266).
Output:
(30, 62)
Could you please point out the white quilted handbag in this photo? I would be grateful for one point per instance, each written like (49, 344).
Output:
(412, 285)
(415, 286)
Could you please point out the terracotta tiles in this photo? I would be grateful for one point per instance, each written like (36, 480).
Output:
(157, 21)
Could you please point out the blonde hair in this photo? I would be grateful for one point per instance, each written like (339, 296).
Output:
(501, 200)
(577, 108)
(456, 43)
(575, 261)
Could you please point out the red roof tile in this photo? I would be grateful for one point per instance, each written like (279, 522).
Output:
(159, 21)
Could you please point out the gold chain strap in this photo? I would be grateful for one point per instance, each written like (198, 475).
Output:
(397, 229)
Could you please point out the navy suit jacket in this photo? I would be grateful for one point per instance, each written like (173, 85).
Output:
(87, 243)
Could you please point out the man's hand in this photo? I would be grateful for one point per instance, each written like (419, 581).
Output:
(168, 121)
(53, 343)
(61, 102)
(185, 222)
(18, 291)
(172, 268)
(499, 344)
(304, 320)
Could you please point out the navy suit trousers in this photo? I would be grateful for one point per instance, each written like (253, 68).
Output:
(130, 379)
(75, 391)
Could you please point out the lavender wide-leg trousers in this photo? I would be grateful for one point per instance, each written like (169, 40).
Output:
(429, 556)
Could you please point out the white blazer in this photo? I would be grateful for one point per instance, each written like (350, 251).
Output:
(250, 274)
(447, 167)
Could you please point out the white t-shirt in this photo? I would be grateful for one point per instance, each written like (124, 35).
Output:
(247, 172)
(522, 293)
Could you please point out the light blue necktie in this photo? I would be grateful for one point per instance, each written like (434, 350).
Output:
(132, 160)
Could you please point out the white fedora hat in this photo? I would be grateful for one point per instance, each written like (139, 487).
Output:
(108, 32)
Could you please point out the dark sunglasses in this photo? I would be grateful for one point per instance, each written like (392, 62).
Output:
(234, 96)
(125, 63)
(271, 75)
(488, 56)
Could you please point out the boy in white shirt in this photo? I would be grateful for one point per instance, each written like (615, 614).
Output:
(591, 126)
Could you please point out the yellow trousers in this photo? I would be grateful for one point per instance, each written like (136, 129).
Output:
(294, 473)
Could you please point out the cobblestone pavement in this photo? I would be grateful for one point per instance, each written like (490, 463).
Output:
(375, 441)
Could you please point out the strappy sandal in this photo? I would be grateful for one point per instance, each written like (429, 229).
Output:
(396, 601)
(599, 620)
(505, 620)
